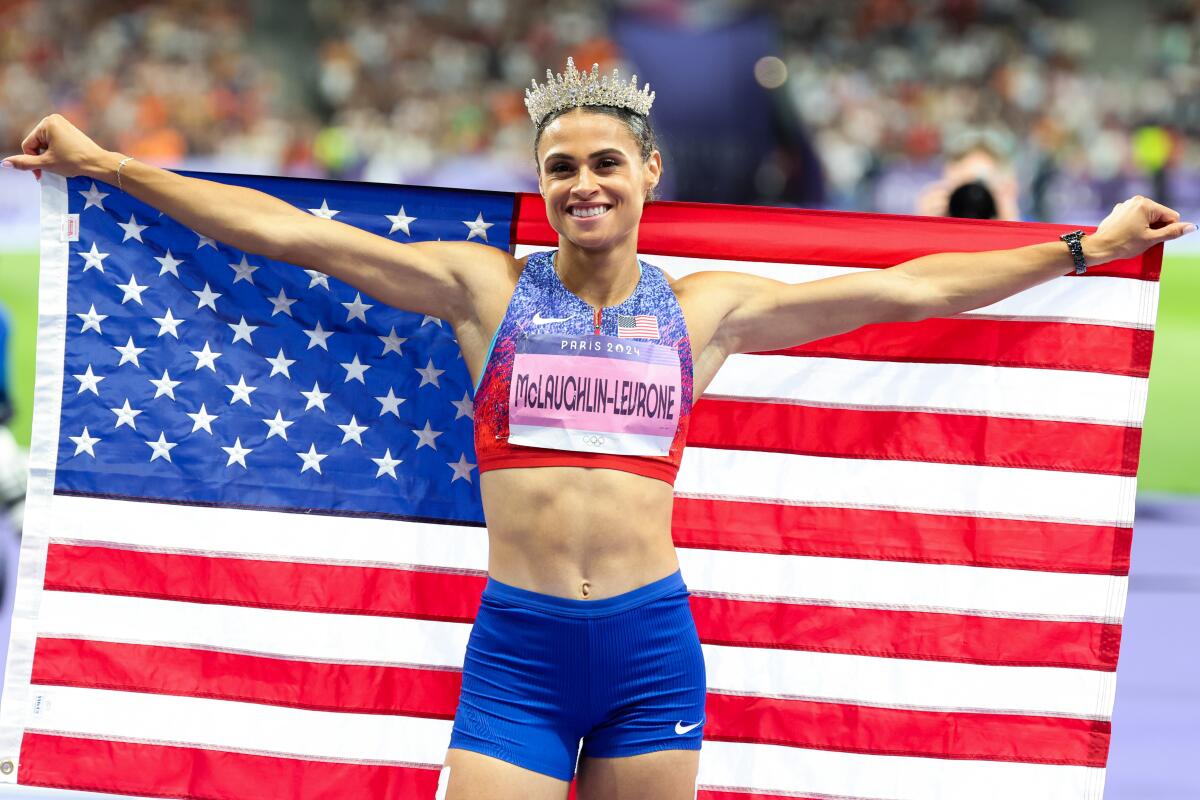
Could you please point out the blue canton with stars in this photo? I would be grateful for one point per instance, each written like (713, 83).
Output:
(196, 373)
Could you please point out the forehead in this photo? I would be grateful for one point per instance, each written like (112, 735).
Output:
(578, 133)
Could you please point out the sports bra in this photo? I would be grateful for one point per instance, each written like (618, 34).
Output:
(566, 384)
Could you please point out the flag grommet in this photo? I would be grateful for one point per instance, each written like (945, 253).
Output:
(6, 766)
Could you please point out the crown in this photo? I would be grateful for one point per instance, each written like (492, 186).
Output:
(585, 89)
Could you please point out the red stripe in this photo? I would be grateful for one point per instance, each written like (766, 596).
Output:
(1108, 349)
(155, 770)
(886, 535)
(878, 632)
(730, 717)
(904, 732)
(801, 236)
(888, 633)
(191, 672)
(914, 436)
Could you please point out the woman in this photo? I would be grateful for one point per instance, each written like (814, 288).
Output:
(584, 629)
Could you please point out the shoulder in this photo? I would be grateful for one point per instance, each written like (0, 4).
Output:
(715, 287)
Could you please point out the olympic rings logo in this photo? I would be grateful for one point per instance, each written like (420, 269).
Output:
(593, 440)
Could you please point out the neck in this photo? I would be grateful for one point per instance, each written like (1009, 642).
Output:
(598, 277)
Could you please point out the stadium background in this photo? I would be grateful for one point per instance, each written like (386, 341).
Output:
(844, 105)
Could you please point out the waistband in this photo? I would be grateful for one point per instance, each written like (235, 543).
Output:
(569, 606)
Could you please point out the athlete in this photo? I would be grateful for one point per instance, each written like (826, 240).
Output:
(584, 630)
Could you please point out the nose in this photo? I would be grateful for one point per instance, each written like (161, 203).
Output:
(585, 182)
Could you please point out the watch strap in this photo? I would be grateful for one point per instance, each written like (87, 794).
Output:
(1074, 241)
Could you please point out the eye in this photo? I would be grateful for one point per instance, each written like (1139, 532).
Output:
(608, 162)
(555, 167)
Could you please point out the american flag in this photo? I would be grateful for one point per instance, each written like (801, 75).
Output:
(254, 545)
(631, 326)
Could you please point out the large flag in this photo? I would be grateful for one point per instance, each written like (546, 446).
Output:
(254, 545)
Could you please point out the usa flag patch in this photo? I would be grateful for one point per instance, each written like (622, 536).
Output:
(641, 326)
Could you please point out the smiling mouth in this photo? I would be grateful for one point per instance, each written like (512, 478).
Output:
(588, 213)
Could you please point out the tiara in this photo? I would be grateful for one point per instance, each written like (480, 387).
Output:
(584, 89)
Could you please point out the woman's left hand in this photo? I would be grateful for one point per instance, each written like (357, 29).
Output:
(1132, 228)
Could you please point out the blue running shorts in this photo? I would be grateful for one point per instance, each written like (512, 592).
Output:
(623, 673)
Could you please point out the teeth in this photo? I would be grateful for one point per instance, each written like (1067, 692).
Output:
(589, 212)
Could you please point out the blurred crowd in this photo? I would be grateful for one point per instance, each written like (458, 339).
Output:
(431, 91)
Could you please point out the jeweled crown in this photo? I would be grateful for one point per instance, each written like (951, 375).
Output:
(575, 88)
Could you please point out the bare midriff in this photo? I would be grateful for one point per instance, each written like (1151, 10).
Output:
(577, 532)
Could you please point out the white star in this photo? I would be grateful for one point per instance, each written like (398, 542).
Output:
(281, 303)
(94, 197)
(429, 374)
(244, 271)
(91, 319)
(324, 212)
(207, 297)
(278, 426)
(462, 469)
(427, 436)
(391, 404)
(165, 386)
(477, 227)
(357, 309)
(93, 258)
(279, 365)
(89, 382)
(387, 464)
(315, 398)
(129, 352)
(316, 278)
(168, 263)
(125, 415)
(162, 448)
(133, 290)
(312, 459)
(317, 337)
(202, 420)
(206, 357)
(427, 319)
(354, 370)
(242, 331)
(464, 407)
(85, 441)
(392, 342)
(352, 430)
(237, 453)
(132, 231)
(205, 241)
(400, 222)
(240, 390)
(167, 323)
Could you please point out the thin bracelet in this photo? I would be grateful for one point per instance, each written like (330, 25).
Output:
(123, 160)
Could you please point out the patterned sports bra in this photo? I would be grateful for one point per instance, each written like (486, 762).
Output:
(566, 384)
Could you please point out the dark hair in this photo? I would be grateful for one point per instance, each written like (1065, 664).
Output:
(638, 126)
(972, 201)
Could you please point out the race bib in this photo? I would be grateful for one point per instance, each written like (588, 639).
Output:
(598, 394)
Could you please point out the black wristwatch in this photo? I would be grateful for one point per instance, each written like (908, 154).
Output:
(1074, 241)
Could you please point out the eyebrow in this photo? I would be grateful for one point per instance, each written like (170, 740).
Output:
(605, 152)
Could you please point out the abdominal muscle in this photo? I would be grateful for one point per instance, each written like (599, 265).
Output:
(577, 532)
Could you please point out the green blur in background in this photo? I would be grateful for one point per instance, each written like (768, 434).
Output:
(1170, 460)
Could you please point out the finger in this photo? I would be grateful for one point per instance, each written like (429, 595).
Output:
(1172, 231)
(26, 162)
(1157, 212)
(37, 141)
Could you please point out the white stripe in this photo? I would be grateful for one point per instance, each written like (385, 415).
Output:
(899, 584)
(245, 726)
(344, 638)
(927, 487)
(955, 388)
(909, 683)
(1124, 302)
(269, 534)
(43, 457)
(366, 542)
(776, 768)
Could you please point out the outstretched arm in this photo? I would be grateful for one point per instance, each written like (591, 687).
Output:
(758, 313)
(437, 278)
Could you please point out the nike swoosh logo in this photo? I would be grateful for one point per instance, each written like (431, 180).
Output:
(679, 727)
(538, 319)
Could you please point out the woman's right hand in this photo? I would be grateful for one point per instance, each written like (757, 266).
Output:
(58, 146)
